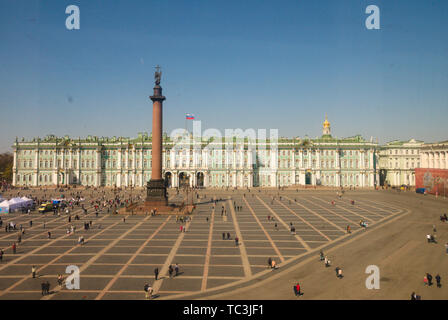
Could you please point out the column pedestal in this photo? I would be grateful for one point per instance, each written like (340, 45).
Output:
(156, 193)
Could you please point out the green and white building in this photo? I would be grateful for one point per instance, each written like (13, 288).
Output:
(123, 162)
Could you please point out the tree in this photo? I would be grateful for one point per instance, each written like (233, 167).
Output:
(6, 162)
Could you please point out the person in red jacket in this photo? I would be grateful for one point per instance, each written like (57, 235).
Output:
(297, 290)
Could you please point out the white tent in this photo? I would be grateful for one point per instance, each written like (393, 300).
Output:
(27, 202)
(17, 203)
(4, 206)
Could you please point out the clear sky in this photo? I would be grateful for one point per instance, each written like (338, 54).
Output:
(233, 64)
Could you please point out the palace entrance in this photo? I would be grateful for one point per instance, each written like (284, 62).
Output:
(184, 180)
(200, 179)
(167, 181)
(308, 178)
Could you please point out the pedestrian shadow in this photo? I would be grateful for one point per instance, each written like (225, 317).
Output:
(154, 296)
(180, 273)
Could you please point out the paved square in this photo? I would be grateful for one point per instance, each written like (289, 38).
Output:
(119, 257)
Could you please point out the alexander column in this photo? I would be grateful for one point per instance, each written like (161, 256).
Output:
(155, 189)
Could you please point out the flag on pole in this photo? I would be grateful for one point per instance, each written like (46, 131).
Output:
(189, 116)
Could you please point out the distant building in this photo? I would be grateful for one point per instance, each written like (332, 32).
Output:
(398, 160)
(119, 162)
(433, 176)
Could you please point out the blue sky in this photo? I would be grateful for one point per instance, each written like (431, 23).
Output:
(233, 64)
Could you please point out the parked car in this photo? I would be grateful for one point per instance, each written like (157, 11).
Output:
(45, 207)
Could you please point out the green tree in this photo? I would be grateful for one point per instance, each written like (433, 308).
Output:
(6, 162)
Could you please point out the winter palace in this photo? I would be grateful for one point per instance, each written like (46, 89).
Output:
(123, 162)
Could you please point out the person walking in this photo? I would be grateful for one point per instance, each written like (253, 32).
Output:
(156, 273)
(33, 271)
(425, 280)
(429, 277)
(339, 272)
(446, 247)
(14, 248)
(236, 241)
(438, 279)
(297, 290)
(1, 255)
(146, 289)
(176, 269)
(31, 223)
(170, 270)
(269, 262)
(223, 236)
(43, 287)
(47, 287)
(60, 278)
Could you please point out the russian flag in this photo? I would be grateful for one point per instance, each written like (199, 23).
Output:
(189, 116)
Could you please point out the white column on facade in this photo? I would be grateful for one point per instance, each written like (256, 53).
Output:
(98, 168)
(446, 160)
(318, 159)
(362, 160)
(14, 169)
(55, 167)
(126, 175)
(310, 163)
(36, 166)
(424, 159)
(233, 155)
(142, 168)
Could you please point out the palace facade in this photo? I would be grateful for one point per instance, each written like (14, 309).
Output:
(123, 162)
(398, 161)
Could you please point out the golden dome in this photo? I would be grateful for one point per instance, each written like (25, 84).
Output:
(326, 123)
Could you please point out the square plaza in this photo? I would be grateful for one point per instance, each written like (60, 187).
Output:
(120, 256)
